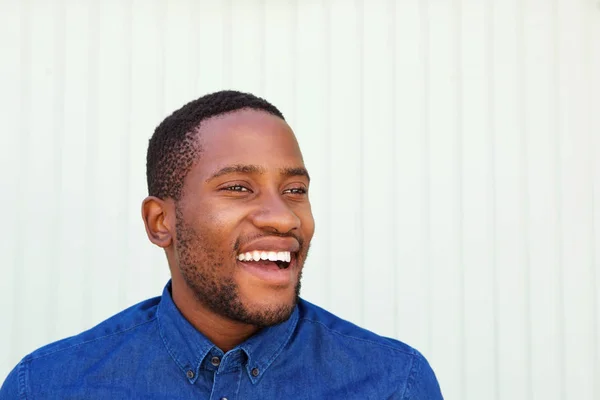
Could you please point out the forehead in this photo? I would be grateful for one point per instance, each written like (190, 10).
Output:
(247, 137)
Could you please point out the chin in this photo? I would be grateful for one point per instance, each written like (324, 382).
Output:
(271, 312)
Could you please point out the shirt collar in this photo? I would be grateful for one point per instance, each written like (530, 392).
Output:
(188, 347)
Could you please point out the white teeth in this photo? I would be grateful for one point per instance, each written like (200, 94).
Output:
(257, 255)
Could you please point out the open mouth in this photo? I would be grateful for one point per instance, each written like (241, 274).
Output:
(263, 258)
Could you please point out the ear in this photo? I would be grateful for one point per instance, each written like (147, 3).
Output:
(158, 218)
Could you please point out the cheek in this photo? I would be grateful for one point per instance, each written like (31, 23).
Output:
(310, 229)
(225, 220)
(213, 214)
(220, 225)
(308, 223)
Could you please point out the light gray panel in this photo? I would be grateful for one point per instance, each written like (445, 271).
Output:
(593, 49)
(511, 264)
(413, 300)
(210, 51)
(380, 193)
(540, 101)
(246, 56)
(180, 40)
(39, 176)
(346, 90)
(575, 201)
(13, 81)
(445, 185)
(280, 62)
(107, 146)
(477, 249)
(72, 247)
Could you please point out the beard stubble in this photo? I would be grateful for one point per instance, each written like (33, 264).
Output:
(200, 261)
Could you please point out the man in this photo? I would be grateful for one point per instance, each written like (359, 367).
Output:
(228, 202)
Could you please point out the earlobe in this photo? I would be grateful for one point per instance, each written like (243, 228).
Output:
(155, 213)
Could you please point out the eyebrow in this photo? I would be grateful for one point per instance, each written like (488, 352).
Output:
(257, 170)
(291, 172)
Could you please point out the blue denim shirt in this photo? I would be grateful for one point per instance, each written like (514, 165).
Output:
(151, 351)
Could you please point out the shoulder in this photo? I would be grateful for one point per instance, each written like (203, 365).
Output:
(330, 324)
(401, 366)
(68, 357)
(126, 322)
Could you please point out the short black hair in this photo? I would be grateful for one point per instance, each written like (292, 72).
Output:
(173, 148)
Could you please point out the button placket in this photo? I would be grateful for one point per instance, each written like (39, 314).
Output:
(226, 383)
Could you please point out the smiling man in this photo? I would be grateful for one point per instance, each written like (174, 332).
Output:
(228, 202)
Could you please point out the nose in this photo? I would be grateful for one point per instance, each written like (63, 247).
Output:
(275, 214)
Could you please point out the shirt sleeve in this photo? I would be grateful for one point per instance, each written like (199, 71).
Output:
(11, 389)
(422, 383)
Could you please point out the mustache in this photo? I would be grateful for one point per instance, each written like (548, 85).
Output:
(239, 241)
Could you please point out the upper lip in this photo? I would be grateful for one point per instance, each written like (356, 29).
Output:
(272, 244)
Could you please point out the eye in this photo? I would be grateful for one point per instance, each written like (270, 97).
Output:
(236, 188)
(296, 191)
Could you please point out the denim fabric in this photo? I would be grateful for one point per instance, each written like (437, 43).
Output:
(150, 351)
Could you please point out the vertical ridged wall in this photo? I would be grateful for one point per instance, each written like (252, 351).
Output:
(454, 148)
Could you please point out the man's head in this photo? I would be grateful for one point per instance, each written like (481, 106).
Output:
(227, 188)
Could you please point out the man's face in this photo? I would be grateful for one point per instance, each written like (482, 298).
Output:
(246, 199)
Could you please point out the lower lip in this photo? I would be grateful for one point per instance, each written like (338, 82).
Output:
(271, 274)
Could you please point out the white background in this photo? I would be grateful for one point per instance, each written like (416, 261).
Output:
(454, 148)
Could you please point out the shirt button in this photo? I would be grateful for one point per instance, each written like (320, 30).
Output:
(215, 361)
(255, 372)
(223, 398)
(190, 374)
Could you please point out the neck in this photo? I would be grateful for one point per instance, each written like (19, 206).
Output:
(222, 332)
